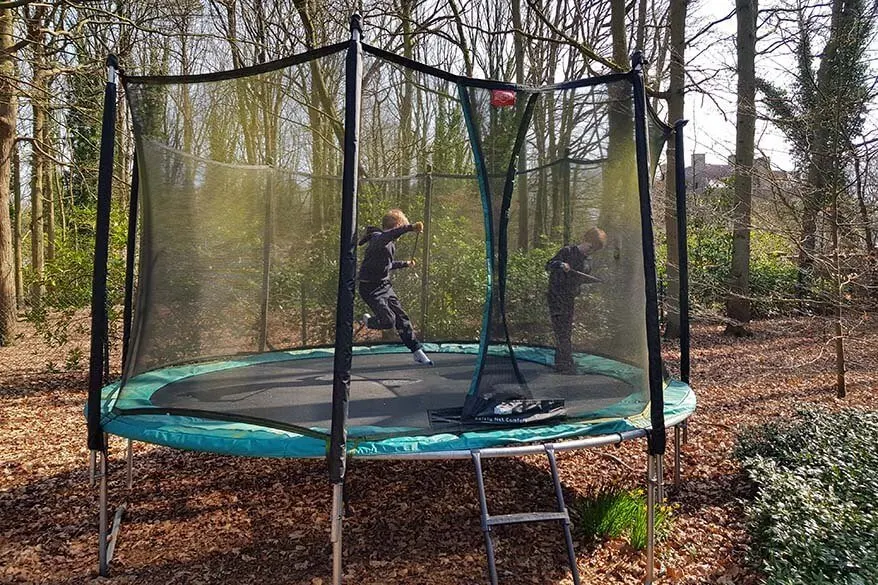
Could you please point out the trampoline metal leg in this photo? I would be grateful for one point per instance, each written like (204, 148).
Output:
(677, 457)
(102, 518)
(483, 507)
(92, 462)
(562, 507)
(129, 471)
(660, 479)
(335, 534)
(651, 489)
(113, 538)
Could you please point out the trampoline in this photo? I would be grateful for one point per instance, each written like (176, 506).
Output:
(250, 189)
(392, 402)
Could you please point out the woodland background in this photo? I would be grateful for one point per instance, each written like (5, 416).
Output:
(764, 241)
(784, 285)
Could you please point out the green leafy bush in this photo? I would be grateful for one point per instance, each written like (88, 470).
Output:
(814, 515)
(618, 514)
(527, 309)
(62, 313)
(772, 269)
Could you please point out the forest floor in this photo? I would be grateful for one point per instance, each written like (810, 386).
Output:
(197, 518)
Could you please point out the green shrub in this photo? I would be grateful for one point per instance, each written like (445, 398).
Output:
(773, 275)
(772, 270)
(62, 313)
(814, 515)
(618, 514)
(527, 309)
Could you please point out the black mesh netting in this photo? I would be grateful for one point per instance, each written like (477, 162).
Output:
(241, 190)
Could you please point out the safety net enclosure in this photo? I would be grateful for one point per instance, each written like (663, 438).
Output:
(525, 266)
(242, 337)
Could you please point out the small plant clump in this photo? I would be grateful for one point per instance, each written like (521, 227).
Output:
(618, 514)
(814, 515)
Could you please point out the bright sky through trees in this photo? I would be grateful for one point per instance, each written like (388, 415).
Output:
(711, 111)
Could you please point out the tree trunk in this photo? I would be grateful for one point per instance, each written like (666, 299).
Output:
(523, 211)
(555, 227)
(16, 228)
(620, 207)
(540, 203)
(58, 185)
(640, 36)
(677, 82)
(820, 159)
(620, 146)
(618, 11)
(321, 118)
(737, 303)
(8, 111)
(406, 101)
(185, 97)
(49, 194)
(838, 299)
(37, 194)
(661, 49)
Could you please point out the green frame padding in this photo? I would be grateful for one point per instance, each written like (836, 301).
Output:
(235, 438)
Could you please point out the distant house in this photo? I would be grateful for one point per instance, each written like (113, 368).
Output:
(701, 176)
(707, 187)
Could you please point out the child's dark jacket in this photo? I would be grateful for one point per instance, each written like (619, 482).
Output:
(378, 260)
(567, 284)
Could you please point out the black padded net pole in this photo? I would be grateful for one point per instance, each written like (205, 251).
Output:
(653, 339)
(347, 259)
(96, 441)
(347, 273)
(680, 176)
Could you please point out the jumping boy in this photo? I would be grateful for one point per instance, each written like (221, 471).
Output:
(568, 270)
(374, 278)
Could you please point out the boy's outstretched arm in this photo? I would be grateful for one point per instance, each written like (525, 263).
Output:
(397, 232)
(397, 264)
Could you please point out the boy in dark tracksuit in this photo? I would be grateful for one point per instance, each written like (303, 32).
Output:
(565, 279)
(374, 279)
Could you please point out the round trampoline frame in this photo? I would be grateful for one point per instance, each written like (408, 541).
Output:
(392, 403)
(656, 418)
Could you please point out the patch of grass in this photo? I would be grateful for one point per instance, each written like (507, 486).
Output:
(618, 514)
(814, 515)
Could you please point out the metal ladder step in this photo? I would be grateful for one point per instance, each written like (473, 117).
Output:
(488, 521)
(525, 517)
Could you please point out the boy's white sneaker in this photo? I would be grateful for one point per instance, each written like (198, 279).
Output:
(421, 358)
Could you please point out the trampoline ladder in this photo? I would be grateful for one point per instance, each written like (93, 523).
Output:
(488, 521)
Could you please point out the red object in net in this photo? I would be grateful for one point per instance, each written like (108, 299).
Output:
(502, 98)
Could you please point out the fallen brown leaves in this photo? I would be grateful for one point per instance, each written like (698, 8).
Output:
(196, 518)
